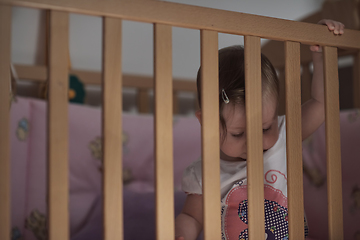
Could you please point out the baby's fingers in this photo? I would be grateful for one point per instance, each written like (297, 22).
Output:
(315, 48)
(336, 27)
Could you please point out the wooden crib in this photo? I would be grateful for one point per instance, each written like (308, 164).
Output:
(210, 22)
(142, 84)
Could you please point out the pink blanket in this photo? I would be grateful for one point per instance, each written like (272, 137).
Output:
(315, 192)
(28, 176)
(28, 168)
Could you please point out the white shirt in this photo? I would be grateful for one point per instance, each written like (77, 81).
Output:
(234, 191)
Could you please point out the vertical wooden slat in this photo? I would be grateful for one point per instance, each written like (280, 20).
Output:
(356, 80)
(255, 166)
(5, 38)
(294, 140)
(58, 166)
(210, 134)
(332, 123)
(112, 129)
(305, 83)
(163, 132)
(142, 100)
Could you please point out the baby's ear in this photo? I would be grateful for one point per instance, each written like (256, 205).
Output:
(198, 115)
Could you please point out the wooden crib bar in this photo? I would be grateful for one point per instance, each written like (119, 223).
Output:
(255, 166)
(165, 15)
(112, 129)
(333, 152)
(164, 181)
(5, 39)
(294, 140)
(210, 134)
(58, 130)
(143, 84)
(188, 16)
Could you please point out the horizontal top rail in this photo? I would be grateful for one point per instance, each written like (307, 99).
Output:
(195, 17)
(39, 74)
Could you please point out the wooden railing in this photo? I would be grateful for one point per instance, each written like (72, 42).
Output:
(210, 22)
(142, 84)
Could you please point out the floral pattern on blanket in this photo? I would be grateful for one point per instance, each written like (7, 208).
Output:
(36, 222)
(95, 147)
(28, 164)
(23, 129)
(16, 234)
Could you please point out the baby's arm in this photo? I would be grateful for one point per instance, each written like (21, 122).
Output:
(313, 114)
(189, 222)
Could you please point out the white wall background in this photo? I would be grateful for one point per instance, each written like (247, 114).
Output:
(85, 36)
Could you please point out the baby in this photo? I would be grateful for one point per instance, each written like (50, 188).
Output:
(233, 154)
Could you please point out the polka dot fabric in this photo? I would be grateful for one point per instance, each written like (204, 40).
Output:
(276, 220)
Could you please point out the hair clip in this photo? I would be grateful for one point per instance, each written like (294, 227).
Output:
(224, 96)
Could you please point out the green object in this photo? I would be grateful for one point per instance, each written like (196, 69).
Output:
(76, 90)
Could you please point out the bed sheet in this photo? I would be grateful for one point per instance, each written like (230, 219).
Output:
(315, 189)
(28, 172)
(28, 169)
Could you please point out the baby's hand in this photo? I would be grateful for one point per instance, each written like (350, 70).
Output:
(336, 27)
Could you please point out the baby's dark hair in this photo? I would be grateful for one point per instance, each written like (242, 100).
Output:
(232, 78)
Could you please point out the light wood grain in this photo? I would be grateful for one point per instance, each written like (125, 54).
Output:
(356, 80)
(58, 130)
(211, 21)
(143, 83)
(163, 133)
(39, 74)
(294, 140)
(210, 134)
(5, 38)
(32, 73)
(333, 151)
(274, 50)
(188, 16)
(112, 130)
(255, 165)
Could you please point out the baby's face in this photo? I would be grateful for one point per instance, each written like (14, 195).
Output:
(233, 148)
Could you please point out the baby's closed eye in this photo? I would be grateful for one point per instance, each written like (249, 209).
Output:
(237, 135)
(266, 129)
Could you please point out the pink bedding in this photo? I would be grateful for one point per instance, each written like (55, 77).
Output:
(315, 195)
(28, 176)
(28, 169)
